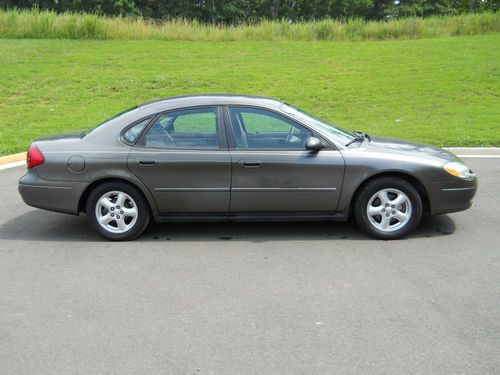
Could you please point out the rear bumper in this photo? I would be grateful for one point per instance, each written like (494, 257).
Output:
(59, 196)
(451, 197)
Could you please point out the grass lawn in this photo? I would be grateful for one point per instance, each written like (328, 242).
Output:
(443, 91)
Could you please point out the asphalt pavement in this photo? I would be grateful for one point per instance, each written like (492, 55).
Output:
(260, 298)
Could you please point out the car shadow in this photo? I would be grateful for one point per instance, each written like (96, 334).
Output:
(40, 225)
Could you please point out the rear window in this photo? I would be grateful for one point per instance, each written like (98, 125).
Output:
(90, 130)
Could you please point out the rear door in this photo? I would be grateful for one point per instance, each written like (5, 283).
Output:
(273, 172)
(182, 158)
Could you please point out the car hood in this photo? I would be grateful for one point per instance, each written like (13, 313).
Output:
(408, 149)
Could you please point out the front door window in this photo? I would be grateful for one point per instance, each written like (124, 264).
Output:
(261, 129)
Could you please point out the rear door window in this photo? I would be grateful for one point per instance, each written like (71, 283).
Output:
(186, 129)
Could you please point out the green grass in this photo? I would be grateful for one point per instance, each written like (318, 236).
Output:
(442, 91)
(48, 25)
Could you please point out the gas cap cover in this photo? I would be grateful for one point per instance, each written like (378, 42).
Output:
(76, 163)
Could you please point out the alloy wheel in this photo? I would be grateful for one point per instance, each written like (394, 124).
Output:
(116, 212)
(389, 210)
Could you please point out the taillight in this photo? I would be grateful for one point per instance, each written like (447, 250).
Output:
(34, 157)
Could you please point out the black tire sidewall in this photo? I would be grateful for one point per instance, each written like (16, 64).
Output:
(142, 207)
(372, 187)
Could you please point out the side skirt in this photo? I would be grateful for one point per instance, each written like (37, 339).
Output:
(248, 217)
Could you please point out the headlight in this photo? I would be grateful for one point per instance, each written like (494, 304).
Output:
(458, 169)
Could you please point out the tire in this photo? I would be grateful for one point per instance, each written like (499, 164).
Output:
(118, 211)
(388, 208)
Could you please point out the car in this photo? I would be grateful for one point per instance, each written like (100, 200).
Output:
(239, 158)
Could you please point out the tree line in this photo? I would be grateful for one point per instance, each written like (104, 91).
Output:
(247, 11)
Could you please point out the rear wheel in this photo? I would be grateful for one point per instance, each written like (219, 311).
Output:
(388, 208)
(118, 211)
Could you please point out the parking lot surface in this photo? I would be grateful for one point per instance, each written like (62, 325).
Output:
(250, 298)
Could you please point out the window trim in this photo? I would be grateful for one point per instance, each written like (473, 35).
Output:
(124, 130)
(221, 135)
(232, 140)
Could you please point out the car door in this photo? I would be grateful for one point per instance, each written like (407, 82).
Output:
(271, 169)
(182, 158)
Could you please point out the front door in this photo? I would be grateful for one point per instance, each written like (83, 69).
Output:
(273, 172)
(183, 159)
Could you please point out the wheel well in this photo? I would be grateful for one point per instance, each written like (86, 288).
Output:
(85, 195)
(408, 178)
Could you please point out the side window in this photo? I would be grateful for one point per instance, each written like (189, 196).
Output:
(258, 128)
(189, 128)
(134, 131)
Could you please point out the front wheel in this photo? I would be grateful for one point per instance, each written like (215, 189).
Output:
(388, 208)
(118, 211)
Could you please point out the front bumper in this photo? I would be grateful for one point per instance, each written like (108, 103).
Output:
(59, 196)
(451, 197)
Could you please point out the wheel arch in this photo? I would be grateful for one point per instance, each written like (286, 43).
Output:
(415, 182)
(139, 186)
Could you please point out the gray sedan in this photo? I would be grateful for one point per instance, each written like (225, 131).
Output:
(228, 157)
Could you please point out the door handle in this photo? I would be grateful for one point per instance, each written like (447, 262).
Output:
(147, 163)
(251, 163)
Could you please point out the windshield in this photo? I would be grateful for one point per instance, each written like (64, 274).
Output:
(90, 130)
(339, 134)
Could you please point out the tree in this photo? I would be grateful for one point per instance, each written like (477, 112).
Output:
(238, 11)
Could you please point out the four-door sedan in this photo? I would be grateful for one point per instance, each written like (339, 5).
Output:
(228, 157)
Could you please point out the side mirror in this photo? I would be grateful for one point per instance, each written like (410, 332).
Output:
(313, 144)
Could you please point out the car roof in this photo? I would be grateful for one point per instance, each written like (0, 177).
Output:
(210, 99)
